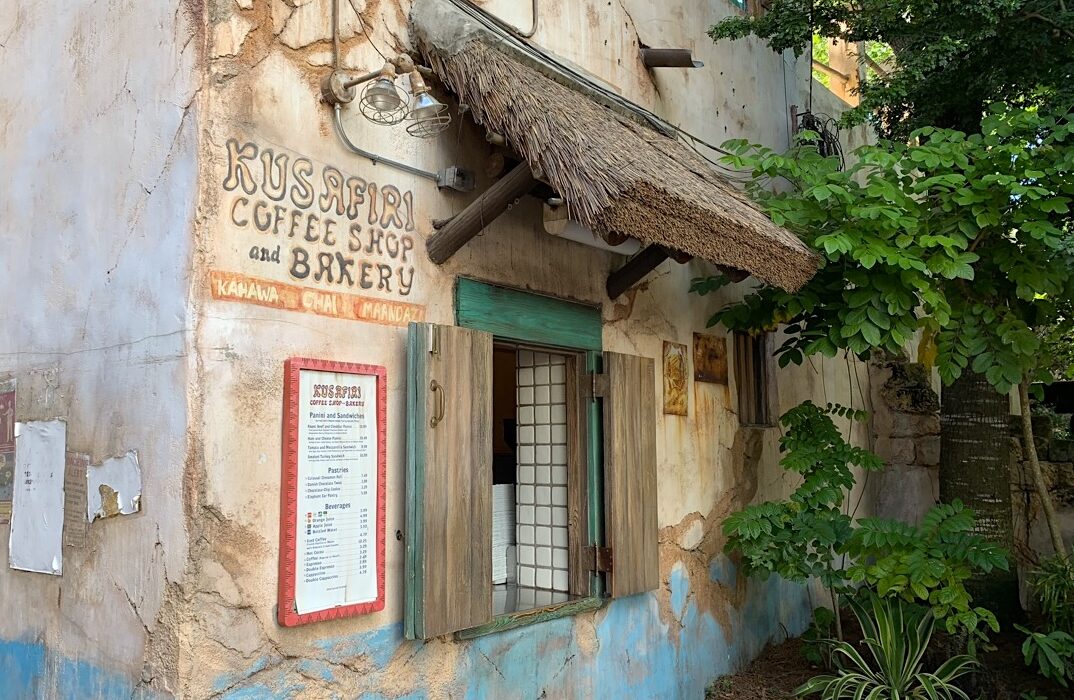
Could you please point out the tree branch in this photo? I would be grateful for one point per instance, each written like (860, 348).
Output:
(1052, 22)
(1029, 447)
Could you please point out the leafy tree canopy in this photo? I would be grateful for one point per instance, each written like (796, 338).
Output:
(966, 237)
(952, 58)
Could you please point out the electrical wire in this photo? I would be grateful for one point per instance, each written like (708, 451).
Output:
(659, 123)
(368, 34)
(515, 30)
(827, 131)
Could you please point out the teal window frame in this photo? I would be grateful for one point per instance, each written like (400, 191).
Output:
(517, 316)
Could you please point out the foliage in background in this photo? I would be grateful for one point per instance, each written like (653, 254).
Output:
(810, 536)
(1058, 339)
(896, 635)
(966, 237)
(1053, 653)
(1053, 587)
(820, 53)
(1060, 422)
(951, 58)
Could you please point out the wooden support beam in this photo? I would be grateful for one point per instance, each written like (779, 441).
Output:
(668, 58)
(454, 234)
(733, 274)
(636, 269)
(640, 265)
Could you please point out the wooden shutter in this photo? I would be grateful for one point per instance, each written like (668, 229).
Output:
(751, 378)
(630, 473)
(449, 480)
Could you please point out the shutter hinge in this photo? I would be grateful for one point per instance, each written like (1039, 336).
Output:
(599, 558)
(598, 387)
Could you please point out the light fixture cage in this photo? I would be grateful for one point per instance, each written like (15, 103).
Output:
(387, 117)
(430, 125)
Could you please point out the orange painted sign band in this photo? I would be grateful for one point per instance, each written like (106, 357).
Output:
(232, 286)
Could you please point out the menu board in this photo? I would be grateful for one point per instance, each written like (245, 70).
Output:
(332, 498)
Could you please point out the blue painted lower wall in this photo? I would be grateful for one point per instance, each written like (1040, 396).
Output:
(628, 649)
(28, 669)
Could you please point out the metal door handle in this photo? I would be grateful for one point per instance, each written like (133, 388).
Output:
(438, 411)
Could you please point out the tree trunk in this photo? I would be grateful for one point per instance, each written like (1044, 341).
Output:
(975, 468)
(1029, 445)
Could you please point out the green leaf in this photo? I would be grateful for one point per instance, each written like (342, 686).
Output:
(871, 334)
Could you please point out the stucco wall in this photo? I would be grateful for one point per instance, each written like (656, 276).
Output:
(169, 355)
(98, 173)
(705, 620)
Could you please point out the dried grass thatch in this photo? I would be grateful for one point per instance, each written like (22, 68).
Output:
(617, 176)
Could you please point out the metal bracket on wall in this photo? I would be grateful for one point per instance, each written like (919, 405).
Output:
(598, 388)
(599, 558)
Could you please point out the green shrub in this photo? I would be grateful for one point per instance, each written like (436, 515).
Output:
(810, 536)
(803, 536)
(1054, 654)
(929, 564)
(896, 635)
(817, 639)
(1053, 586)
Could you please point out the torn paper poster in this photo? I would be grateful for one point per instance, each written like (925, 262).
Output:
(114, 487)
(7, 447)
(36, 541)
(75, 523)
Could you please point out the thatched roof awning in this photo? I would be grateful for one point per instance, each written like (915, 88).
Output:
(617, 176)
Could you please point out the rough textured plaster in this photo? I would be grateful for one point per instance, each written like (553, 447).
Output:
(656, 645)
(98, 162)
(207, 608)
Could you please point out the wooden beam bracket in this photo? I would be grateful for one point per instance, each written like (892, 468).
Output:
(639, 266)
(457, 231)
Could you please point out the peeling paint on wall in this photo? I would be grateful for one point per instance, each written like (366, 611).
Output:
(114, 487)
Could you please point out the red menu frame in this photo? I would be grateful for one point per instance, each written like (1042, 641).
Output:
(286, 613)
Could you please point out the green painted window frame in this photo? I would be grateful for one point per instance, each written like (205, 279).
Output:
(518, 316)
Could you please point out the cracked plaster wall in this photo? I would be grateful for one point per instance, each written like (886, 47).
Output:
(215, 632)
(98, 183)
(705, 620)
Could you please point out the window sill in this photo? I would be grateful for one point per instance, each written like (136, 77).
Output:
(510, 621)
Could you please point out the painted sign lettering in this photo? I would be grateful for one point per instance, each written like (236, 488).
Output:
(296, 221)
(230, 286)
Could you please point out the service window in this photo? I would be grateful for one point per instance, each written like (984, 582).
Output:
(531, 481)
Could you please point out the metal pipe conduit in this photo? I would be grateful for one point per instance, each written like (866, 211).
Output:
(374, 157)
